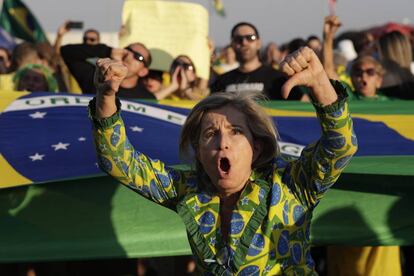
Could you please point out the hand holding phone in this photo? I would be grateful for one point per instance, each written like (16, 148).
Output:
(74, 25)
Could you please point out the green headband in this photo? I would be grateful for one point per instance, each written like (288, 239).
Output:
(50, 79)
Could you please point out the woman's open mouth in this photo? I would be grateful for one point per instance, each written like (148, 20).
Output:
(224, 165)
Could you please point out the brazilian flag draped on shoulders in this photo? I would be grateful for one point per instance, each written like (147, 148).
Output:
(18, 20)
(55, 203)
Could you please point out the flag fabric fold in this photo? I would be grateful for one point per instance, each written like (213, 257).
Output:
(17, 19)
(47, 137)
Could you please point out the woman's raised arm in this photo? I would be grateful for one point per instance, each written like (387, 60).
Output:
(116, 156)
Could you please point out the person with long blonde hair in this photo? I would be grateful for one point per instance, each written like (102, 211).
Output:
(396, 56)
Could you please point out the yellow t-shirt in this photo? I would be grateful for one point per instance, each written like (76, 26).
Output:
(363, 261)
(6, 82)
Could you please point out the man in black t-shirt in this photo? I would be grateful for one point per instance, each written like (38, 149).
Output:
(81, 58)
(251, 75)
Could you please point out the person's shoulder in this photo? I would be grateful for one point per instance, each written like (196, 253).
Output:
(269, 69)
(72, 46)
(272, 75)
(82, 46)
(223, 80)
(142, 89)
(6, 81)
(137, 92)
(230, 74)
(269, 72)
(383, 98)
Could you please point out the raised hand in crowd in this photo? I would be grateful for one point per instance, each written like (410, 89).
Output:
(184, 81)
(123, 31)
(303, 67)
(179, 82)
(118, 53)
(62, 30)
(184, 84)
(108, 76)
(330, 27)
(175, 84)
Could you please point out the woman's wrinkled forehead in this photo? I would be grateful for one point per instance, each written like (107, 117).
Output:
(227, 115)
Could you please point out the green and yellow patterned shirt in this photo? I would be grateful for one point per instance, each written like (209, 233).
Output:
(270, 224)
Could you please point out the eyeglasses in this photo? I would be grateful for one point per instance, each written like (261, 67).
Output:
(240, 38)
(360, 72)
(185, 66)
(138, 56)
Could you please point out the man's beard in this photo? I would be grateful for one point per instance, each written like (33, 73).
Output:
(244, 59)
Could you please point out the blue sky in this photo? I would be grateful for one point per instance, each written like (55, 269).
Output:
(277, 20)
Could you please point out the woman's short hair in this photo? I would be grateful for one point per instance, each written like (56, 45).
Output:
(259, 123)
(396, 47)
(368, 59)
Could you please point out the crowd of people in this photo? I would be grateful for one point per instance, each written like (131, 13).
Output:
(377, 66)
(371, 68)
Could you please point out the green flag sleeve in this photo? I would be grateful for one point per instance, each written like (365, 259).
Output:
(321, 163)
(118, 158)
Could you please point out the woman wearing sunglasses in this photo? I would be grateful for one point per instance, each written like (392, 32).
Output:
(184, 82)
(366, 76)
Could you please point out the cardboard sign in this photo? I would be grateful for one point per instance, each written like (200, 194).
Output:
(168, 29)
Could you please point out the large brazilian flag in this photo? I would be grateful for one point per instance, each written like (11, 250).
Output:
(55, 204)
(18, 21)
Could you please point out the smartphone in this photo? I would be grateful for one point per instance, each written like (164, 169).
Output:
(75, 25)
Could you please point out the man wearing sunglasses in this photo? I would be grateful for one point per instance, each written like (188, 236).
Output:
(81, 59)
(251, 75)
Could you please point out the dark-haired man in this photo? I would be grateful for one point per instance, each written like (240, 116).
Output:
(91, 37)
(81, 58)
(251, 75)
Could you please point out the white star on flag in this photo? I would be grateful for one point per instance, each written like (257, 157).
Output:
(60, 145)
(267, 269)
(81, 139)
(245, 201)
(38, 115)
(213, 241)
(196, 208)
(36, 156)
(136, 129)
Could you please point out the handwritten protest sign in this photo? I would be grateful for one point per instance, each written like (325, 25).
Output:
(168, 29)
